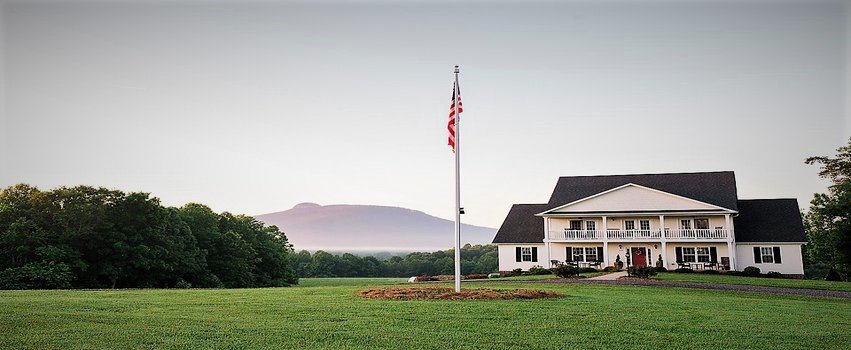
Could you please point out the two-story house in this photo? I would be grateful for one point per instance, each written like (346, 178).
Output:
(693, 220)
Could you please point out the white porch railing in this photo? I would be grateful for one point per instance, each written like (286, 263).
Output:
(576, 235)
(595, 235)
(697, 234)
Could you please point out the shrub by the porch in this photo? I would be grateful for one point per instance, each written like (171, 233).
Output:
(641, 271)
(538, 270)
(752, 271)
(774, 274)
(684, 270)
(565, 271)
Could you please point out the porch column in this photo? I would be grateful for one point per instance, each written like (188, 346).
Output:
(605, 241)
(662, 238)
(731, 239)
(547, 254)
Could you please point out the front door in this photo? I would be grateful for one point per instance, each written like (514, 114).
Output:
(639, 257)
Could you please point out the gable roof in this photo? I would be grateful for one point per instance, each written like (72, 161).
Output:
(521, 225)
(769, 220)
(621, 199)
(717, 188)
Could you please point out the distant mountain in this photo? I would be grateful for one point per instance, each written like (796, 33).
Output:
(370, 228)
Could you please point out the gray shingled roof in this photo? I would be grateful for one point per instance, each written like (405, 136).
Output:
(769, 220)
(521, 225)
(718, 188)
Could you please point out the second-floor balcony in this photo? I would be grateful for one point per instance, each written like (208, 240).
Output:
(618, 235)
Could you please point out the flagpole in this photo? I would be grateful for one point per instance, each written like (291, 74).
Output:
(457, 94)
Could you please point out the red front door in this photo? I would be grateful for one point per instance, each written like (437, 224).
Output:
(639, 257)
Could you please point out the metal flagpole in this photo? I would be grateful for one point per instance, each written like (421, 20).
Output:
(457, 94)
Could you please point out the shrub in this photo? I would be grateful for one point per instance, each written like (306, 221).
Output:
(182, 284)
(587, 270)
(751, 271)
(774, 274)
(610, 269)
(660, 269)
(641, 271)
(733, 273)
(565, 271)
(476, 276)
(832, 275)
(710, 272)
(37, 275)
(538, 270)
(515, 272)
(493, 275)
(684, 270)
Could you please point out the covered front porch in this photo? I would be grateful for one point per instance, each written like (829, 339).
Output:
(697, 255)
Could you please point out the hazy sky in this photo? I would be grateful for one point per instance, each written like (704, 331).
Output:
(252, 108)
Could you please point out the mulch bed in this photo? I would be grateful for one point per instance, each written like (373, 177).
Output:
(449, 293)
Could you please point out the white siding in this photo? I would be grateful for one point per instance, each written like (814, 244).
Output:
(791, 260)
(508, 260)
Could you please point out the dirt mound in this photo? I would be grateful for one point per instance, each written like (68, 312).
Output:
(449, 294)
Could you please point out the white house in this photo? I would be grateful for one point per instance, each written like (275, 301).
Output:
(693, 220)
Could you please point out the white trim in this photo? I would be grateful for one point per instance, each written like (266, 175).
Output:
(638, 186)
(761, 243)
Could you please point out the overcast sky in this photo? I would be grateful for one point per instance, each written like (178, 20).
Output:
(253, 108)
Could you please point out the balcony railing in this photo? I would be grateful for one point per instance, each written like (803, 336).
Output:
(594, 235)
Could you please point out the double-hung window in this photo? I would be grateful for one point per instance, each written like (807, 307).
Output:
(685, 224)
(689, 254)
(590, 225)
(702, 254)
(575, 225)
(644, 225)
(767, 255)
(629, 224)
(578, 254)
(526, 254)
(701, 224)
(590, 254)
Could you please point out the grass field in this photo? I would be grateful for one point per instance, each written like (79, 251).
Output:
(756, 281)
(326, 314)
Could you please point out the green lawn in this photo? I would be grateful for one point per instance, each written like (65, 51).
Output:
(349, 281)
(756, 281)
(327, 314)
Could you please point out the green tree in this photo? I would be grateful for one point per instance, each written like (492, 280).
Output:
(828, 222)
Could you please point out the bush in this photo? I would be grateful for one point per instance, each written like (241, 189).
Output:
(684, 270)
(538, 270)
(641, 271)
(710, 272)
(774, 274)
(182, 284)
(733, 273)
(475, 276)
(565, 271)
(610, 269)
(37, 275)
(751, 271)
(832, 275)
(493, 275)
(660, 269)
(587, 270)
(515, 272)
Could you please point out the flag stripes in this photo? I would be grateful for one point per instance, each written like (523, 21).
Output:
(453, 114)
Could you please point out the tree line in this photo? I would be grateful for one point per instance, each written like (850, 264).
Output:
(87, 237)
(474, 259)
(828, 222)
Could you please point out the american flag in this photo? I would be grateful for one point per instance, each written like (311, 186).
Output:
(453, 114)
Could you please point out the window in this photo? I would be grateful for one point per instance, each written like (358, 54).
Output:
(629, 224)
(767, 255)
(701, 224)
(689, 255)
(578, 254)
(685, 224)
(525, 254)
(703, 254)
(575, 224)
(644, 224)
(590, 226)
(590, 254)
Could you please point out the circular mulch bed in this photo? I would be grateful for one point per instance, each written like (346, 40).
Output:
(449, 293)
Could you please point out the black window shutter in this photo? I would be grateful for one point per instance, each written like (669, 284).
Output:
(777, 255)
(757, 257)
(679, 254)
(534, 254)
(569, 256)
(599, 253)
(713, 255)
(519, 255)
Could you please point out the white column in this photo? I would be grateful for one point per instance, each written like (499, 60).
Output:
(547, 252)
(606, 262)
(731, 241)
(662, 238)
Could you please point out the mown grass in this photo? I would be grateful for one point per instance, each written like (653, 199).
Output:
(349, 281)
(329, 315)
(756, 281)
